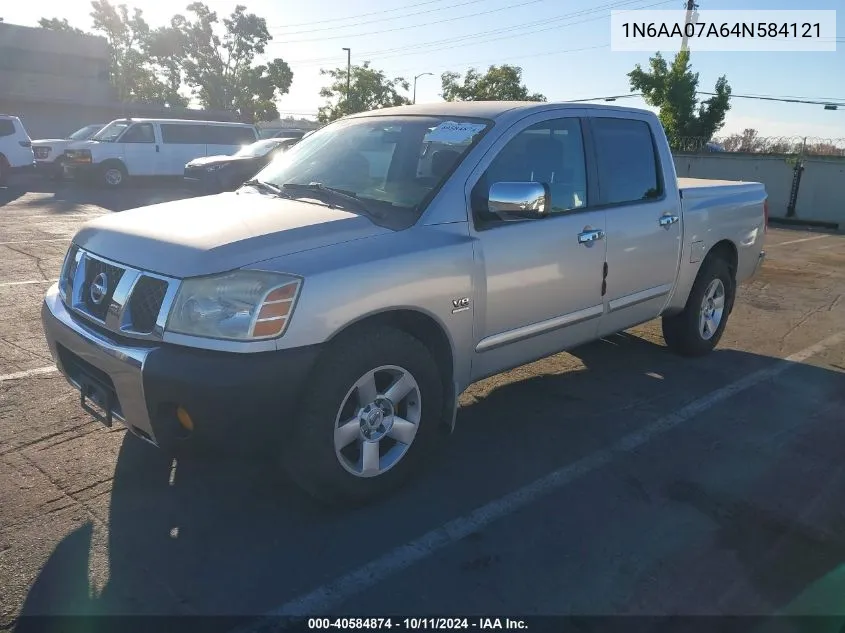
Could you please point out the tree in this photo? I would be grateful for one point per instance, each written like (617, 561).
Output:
(673, 89)
(55, 24)
(369, 89)
(134, 74)
(499, 83)
(218, 62)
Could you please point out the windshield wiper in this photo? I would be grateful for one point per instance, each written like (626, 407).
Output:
(265, 187)
(346, 197)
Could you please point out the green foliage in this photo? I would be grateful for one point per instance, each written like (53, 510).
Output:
(55, 24)
(214, 58)
(218, 62)
(499, 83)
(369, 89)
(673, 89)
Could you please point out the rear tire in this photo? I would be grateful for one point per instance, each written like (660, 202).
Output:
(698, 329)
(379, 385)
(4, 171)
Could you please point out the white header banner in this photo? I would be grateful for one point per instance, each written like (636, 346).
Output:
(723, 30)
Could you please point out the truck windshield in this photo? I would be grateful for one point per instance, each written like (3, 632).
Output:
(383, 161)
(110, 133)
(84, 133)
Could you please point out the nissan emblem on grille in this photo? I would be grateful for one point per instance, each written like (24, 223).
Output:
(99, 288)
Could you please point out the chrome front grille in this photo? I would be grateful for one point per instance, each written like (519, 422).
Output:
(122, 299)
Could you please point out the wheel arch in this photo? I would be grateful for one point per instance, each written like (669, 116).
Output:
(427, 330)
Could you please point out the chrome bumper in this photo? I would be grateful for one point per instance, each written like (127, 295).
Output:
(122, 364)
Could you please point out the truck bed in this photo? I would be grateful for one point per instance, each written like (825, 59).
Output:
(703, 187)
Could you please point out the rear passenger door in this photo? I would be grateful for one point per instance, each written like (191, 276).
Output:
(643, 221)
(182, 143)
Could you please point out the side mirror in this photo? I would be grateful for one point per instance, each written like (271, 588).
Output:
(513, 201)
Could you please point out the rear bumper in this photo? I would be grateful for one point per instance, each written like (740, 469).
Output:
(228, 395)
(22, 169)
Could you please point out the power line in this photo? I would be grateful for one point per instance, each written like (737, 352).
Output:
(779, 99)
(413, 26)
(395, 17)
(363, 15)
(475, 38)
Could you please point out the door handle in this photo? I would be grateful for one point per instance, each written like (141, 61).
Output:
(589, 236)
(668, 220)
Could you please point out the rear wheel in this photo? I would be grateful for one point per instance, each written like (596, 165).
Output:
(4, 170)
(369, 419)
(698, 329)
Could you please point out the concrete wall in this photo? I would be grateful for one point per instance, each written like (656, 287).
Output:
(42, 65)
(821, 195)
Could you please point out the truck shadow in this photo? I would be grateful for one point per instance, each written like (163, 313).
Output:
(211, 536)
(67, 197)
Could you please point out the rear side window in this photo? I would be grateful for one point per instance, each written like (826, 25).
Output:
(7, 127)
(627, 161)
(183, 134)
(227, 135)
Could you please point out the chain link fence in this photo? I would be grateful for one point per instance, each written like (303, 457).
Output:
(751, 143)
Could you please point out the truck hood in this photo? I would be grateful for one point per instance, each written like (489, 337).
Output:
(213, 234)
(51, 141)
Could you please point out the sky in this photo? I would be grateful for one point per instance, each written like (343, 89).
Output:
(561, 45)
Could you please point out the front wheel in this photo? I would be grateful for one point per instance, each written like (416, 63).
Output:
(368, 419)
(113, 175)
(698, 329)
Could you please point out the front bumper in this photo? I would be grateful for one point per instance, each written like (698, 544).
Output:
(78, 171)
(227, 394)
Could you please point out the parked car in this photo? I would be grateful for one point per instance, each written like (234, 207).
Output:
(15, 147)
(333, 310)
(49, 153)
(215, 174)
(151, 147)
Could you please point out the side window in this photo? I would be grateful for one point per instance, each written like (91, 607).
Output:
(627, 161)
(228, 135)
(182, 134)
(7, 127)
(550, 152)
(139, 133)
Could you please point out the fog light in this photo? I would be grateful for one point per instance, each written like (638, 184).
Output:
(184, 419)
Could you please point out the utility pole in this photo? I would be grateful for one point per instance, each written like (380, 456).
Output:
(415, 85)
(692, 16)
(348, 77)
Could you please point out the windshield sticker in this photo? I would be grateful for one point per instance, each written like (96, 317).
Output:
(453, 132)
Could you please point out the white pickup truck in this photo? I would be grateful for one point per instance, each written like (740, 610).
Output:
(333, 308)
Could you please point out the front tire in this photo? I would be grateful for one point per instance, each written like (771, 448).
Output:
(369, 418)
(113, 175)
(698, 329)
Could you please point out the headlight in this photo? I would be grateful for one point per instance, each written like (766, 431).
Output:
(241, 305)
(216, 167)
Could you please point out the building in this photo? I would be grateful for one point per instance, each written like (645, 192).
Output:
(58, 82)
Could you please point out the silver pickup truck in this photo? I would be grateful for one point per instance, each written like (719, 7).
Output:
(334, 308)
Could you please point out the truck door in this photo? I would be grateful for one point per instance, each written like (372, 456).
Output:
(643, 220)
(543, 277)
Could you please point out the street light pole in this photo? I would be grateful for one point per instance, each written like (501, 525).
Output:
(415, 84)
(348, 77)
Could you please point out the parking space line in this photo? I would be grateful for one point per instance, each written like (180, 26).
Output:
(330, 596)
(803, 239)
(26, 283)
(54, 239)
(49, 369)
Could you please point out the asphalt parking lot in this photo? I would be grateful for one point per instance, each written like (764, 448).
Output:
(618, 479)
